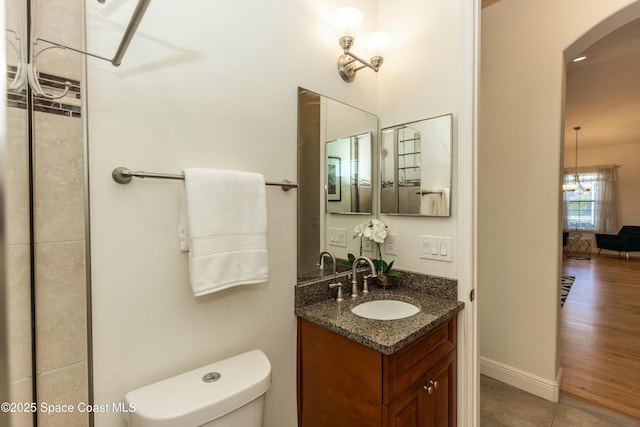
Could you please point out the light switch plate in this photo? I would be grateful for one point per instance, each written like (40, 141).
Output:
(338, 237)
(435, 247)
(367, 245)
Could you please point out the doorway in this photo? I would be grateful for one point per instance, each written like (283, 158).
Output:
(602, 98)
(520, 140)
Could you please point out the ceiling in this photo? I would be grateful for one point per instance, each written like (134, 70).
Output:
(603, 91)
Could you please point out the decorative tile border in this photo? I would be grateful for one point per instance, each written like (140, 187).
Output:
(68, 106)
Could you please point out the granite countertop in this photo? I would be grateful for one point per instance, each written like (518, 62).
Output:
(385, 336)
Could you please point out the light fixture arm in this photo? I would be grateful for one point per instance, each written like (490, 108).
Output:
(346, 42)
(346, 62)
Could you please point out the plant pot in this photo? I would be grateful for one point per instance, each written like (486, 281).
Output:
(384, 280)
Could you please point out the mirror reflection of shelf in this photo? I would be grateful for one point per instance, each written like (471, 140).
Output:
(415, 167)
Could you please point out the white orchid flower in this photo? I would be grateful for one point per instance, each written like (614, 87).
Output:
(378, 235)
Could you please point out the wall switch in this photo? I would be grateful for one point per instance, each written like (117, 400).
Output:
(367, 245)
(338, 237)
(390, 246)
(425, 246)
(445, 249)
(435, 247)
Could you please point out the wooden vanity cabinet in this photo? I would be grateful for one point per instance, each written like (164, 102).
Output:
(342, 383)
(419, 406)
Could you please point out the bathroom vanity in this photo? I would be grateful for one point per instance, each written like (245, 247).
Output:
(354, 371)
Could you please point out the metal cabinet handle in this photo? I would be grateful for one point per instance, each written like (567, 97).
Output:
(435, 384)
(429, 389)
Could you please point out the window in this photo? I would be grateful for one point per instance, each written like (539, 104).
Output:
(594, 210)
(581, 206)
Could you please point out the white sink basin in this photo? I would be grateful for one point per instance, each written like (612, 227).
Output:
(385, 309)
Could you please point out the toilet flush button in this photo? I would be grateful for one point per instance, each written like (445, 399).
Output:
(211, 377)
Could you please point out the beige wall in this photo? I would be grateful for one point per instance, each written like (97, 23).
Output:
(179, 101)
(520, 158)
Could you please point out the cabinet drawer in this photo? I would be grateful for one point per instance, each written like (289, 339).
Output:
(410, 363)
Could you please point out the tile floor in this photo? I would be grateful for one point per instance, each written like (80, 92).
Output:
(504, 406)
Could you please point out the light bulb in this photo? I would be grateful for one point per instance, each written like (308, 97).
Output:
(348, 20)
(378, 44)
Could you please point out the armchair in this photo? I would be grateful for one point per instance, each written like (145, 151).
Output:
(627, 240)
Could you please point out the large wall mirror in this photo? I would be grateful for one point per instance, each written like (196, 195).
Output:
(336, 143)
(415, 168)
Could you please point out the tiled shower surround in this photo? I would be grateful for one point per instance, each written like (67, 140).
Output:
(62, 368)
(60, 279)
(68, 106)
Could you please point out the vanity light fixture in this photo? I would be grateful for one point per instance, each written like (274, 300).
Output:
(577, 186)
(348, 19)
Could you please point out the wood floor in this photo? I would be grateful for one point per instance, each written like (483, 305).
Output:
(600, 333)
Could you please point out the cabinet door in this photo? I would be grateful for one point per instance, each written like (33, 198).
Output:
(339, 380)
(441, 403)
(430, 401)
(408, 409)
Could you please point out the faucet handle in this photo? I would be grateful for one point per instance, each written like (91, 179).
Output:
(365, 286)
(339, 286)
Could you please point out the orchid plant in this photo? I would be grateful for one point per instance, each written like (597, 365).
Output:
(376, 231)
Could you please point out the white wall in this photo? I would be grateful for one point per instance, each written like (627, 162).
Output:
(520, 158)
(431, 71)
(185, 97)
(420, 78)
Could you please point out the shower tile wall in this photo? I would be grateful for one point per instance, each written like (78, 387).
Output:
(18, 264)
(60, 273)
(61, 303)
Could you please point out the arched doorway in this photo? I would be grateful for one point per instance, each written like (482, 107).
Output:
(520, 143)
(597, 355)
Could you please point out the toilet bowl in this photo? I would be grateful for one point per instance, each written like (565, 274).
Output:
(227, 393)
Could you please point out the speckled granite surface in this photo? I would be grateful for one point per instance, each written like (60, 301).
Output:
(436, 297)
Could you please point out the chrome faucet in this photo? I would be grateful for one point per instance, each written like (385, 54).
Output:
(354, 281)
(333, 259)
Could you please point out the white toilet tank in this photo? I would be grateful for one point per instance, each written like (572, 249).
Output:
(228, 393)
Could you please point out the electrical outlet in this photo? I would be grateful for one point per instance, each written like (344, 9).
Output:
(390, 244)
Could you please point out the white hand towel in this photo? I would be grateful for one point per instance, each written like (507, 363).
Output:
(223, 225)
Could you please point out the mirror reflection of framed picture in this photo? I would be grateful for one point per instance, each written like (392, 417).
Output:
(334, 186)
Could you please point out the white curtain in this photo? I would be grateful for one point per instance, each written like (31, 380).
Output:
(599, 206)
(607, 209)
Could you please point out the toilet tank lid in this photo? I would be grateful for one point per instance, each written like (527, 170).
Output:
(189, 400)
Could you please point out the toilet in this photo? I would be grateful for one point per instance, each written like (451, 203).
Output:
(228, 393)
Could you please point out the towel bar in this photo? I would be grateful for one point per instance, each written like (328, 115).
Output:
(123, 175)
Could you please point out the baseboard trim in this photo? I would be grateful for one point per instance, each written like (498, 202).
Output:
(549, 390)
